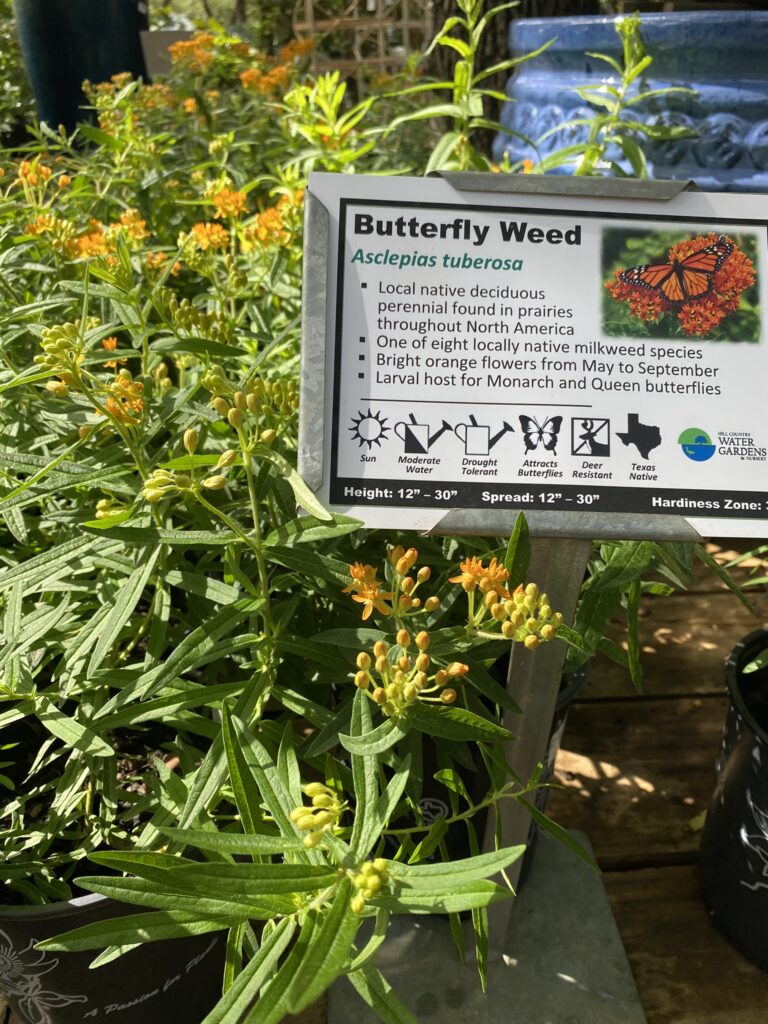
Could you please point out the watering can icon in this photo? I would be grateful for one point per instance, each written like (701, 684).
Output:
(477, 437)
(416, 436)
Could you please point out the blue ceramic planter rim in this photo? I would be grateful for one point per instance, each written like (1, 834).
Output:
(741, 655)
(738, 31)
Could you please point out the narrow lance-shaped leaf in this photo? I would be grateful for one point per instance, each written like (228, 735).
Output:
(123, 607)
(327, 952)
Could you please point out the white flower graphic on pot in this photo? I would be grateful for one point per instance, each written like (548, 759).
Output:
(757, 844)
(21, 973)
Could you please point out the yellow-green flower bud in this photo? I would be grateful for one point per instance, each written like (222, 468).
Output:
(252, 403)
(403, 638)
(358, 904)
(361, 680)
(422, 662)
(380, 648)
(531, 642)
(547, 631)
(226, 459)
(508, 630)
(422, 640)
(363, 660)
(382, 665)
(432, 603)
(545, 612)
(235, 418)
(314, 789)
(379, 695)
(191, 438)
(57, 388)
(324, 801)
(423, 574)
(240, 401)
(410, 692)
(214, 483)
(221, 405)
(323, 818)
(532, 590)
(532, 624)
(311, 840)
(448, 696)
(268, 436)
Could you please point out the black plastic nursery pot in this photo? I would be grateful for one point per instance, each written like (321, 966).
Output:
(67, 41)
(733, 855)
(173, 982)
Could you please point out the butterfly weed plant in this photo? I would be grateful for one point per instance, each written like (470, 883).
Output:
(233, 710)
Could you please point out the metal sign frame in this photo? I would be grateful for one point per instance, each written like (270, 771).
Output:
(561, 540)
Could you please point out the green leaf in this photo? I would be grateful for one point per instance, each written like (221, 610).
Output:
(376, 992)
(153, 535)
(722, 574)
(245, 988)
(309, 564)
(251, 881)
(245, 790)
(443, 876)
(70, 731)
(454, 724)
(454, 782)
(133, 929)
(310, 529)
(194, 647)
(264, 771)
(327, 952)
(560, 833)
(626, 562)
(123, 606)
(364, 768)
(452, 900)
(518, 555)
(377, 741)
(633, 639)
(304, 496)
(232, 842)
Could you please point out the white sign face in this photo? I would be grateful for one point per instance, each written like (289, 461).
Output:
(519, 352)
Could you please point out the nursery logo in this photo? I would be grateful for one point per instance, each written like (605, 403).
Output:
(696, 444)
(740, 445)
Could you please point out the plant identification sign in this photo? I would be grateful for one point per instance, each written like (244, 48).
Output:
(504, 351)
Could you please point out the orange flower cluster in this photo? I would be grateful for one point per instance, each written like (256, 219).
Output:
(229, 202)
(209, 236)
(92, 243)
(126, 400)
(475, 575)
(265, 82)
(110, 344)
(34, 173)
(157, 261)
(195, 54)
(366, 590)
(266, 228)
(296, 48)
(135, 227)
(702, 314)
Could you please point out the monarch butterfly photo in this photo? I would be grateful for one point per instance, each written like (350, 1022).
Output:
(667, 284)
(684, 279)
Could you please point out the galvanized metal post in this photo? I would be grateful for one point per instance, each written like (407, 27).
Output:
(557, 566)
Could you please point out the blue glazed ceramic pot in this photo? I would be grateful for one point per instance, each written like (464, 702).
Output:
(719, 54)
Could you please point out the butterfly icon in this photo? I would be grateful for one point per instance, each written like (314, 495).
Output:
(544, 434)
(681, 280)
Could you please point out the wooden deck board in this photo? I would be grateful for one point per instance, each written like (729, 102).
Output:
(685, 971)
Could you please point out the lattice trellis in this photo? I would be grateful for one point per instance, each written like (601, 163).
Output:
(363, 38)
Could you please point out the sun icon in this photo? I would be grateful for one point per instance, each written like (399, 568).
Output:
(369, 428)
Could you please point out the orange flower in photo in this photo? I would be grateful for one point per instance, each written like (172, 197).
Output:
(700, 281)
